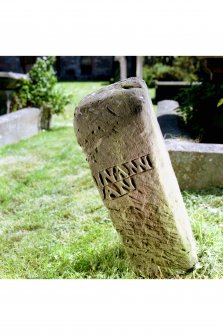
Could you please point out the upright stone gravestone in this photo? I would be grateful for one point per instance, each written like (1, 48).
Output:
(119, 133)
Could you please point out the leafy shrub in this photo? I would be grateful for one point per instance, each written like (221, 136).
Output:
(202, 109)
(152, 60)
(190, 66)
(41, 90)
(160, 71)
(182, 68)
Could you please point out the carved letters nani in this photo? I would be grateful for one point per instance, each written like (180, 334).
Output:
(118, 180)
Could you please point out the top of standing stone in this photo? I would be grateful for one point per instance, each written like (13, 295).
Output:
(119, 87)
(113, 105)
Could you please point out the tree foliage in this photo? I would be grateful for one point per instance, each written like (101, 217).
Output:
(41, 89)
(202, 109)
(183, 68)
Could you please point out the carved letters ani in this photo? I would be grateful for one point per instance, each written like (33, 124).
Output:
(118, 180)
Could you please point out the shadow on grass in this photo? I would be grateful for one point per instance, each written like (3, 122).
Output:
(110, 262)
(57, 128)
(214, 191)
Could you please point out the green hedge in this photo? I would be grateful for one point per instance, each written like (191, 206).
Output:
(202, 109)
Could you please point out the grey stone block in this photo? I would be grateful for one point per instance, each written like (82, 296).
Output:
(196, 165)
(19, 125)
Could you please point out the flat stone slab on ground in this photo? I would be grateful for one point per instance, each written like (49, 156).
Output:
(197, 165)
(19, 125)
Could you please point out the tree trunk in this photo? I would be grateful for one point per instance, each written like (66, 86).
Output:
(46, 118)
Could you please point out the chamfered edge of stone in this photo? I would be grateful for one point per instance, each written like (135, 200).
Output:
(127, 84)
(133, 88)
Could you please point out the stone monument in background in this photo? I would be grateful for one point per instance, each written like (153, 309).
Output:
(119, 133)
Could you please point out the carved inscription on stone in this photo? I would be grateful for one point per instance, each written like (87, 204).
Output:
(118, 180)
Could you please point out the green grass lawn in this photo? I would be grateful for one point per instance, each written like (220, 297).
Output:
(53, 223)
